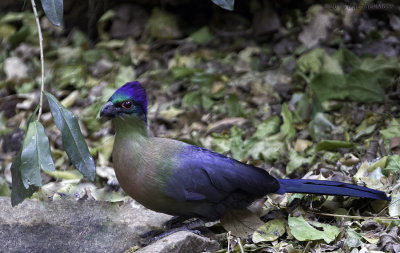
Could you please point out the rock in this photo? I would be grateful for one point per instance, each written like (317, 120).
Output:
(318, 29)
(26, 52)
(266, 19)
(182, 241)
(163, 25)
(101, 67)
(84, 226)
(129, 21)
(15, 69)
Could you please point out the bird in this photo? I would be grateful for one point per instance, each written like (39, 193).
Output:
(184, 180)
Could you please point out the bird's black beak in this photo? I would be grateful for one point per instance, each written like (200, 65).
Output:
(108, 110)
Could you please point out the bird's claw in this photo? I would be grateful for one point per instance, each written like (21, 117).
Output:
(155, 235)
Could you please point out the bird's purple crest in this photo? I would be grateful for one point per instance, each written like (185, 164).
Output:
(130, 98)
(134, 91)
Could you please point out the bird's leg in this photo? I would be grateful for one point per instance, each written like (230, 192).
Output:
(153, 235)
(190, 227)
(176, 221)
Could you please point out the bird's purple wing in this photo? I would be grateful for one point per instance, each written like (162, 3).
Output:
(204, 175)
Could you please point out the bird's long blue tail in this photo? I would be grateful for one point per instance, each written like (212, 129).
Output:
(328, 188)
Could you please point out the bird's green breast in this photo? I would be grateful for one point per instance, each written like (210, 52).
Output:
(143, 165)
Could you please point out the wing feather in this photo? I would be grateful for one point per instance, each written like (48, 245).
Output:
(204, 175)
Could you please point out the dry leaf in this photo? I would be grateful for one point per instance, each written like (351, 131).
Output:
(241, 223)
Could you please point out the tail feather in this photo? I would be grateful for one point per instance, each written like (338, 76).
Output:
(328, 188)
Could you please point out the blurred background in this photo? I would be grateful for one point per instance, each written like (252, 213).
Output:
(302, 89)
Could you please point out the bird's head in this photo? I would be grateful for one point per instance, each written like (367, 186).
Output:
(129, 99)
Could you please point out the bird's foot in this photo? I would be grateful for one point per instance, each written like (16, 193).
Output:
(151, 234)
(155, 235)
(174, 222)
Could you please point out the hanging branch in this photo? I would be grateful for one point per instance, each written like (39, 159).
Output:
(41, 57)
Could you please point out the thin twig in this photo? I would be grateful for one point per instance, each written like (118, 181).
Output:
(41, 57)
(357, 217)
(307, 247)
(240, 245)
(229, 237)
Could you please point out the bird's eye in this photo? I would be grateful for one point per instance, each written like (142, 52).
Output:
(127, 104)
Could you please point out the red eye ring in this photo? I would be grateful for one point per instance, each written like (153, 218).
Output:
(128, 104)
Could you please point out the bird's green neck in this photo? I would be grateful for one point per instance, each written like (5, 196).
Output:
(130, 128)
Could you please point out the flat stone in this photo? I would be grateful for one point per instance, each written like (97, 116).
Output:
(182, 241)
(87, 226)
(71, 226)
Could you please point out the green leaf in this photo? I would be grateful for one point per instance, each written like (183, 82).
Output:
(73, 141)
(347, 59)
(19, 192)
(68, 174)
(221, 143)
(363, 86)
(32, 117)
(269, 149)
(392, 165)
(163, 25)
(225, 4)
(19, 36)
(320, 127)
(287, 126)
(296, 160)
(380, 63)
(233, 106)
(179, 72)
(6, 31)
(79, 39)
(331, 65)
(328, 86)
(112, 44)
(206, 102)
(74, 74)
(105, 194)
(332, 145)
(201, 36)
(191, 99)
(268, 127)
(353, 239)
(125, 74)
(303, 231)
(366, 131)
(270, 231)
(102, 22)
(237, 147)
(311, 62)
(11, 17)
(394, 207)
(4, 190)
(35, 155)
(3, 125)
(54, 10)
(204, 79)
(393, 130)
